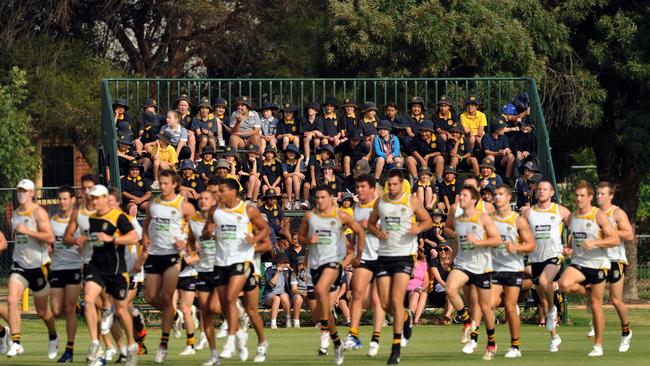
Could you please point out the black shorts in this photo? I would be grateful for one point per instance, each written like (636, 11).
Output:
(372, 266)
(316, 273)
(64, 277)
(36, 277)
(480, 280)
(222, 275)
(186, 283)
(593, 276)
(616, 272)
(389, 266)
(158, 264)
(205, 282)
(133, 285)
(252, 282)
(509, 279)
(538, 268)
(116, 285)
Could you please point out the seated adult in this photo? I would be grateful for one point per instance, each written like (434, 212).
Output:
(245, 124)
(439, 268)
(277, 287)
(497, 146)
(352, 150)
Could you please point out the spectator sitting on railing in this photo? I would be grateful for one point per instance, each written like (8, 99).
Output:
(219, 106)
(524, 143)
(386, 149)
(288, 127)
(250, 172)
(269, 125)
(417, 116)
(312, 128)
(136, 189)
(181, 139)
(398, 124)
(183, 106)
(245, 124)
(474, 121)
(205, 126)
(277, 280)
(428, 150)
(447, 188)
(351, 151)
(497, 146)
(488, 176)
(163, 155)
(444, 118)
(526, 171)
(459, 154)
(418, 286)
(206, 167)
(192, 185)
(333, 126)
(294, 177)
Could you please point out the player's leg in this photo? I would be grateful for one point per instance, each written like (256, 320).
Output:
(360, 280)
(250, 304)
(485, 302)
(16, 286)
(168, 284)
(616, 296)
(378, 320)
(207, 321)
(229, 294)
(92, 291)
(152, 285)
(596, 298)
(70, 309)
(514, 321)
(455, 281)
(186, 302)
(546, 281)
(327, 323)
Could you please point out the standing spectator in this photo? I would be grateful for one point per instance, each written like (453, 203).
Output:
(352, 150)
(180, 136)
(417, 116)
(136, 189)
(497, 146)
(445, 118)
(488, 176)
(269, 125)
(183, 106)
(294, 178)
(220, 106)
(429, 150)
(350, 117)
(250, 172)
(271, 172)
(417, 286)
(277, 282)
(386, 149)
(288, 127)
(474, 121)
(342, 299)
(312, 128)
(522, 187)
(245, 124)
(459, 152)
(333, 126)
(164, 156)
(368, 124)
(447, 188)
(206, 167)
(205, 125)
(424, 189)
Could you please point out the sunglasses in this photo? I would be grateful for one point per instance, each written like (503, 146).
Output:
(444, 250)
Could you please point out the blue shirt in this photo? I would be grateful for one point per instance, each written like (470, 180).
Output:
(495, 144)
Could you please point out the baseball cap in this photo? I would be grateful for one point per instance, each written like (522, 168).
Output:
(99, 190)
(26, 184)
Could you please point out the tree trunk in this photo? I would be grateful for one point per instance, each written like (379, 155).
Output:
(627, 192)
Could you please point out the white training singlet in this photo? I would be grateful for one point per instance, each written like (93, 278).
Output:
(64, 256)
(502, 261)
(617, 253)
(206, 248)
(330, 247)
(29, 253)
(165, 225)
(473, 259)
(585, 227)
(547, 229)
(133, 250)
(232, 226)
(362, 212)
(83, 228)
(396, 218)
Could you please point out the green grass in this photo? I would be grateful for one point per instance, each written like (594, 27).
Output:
(429, 345)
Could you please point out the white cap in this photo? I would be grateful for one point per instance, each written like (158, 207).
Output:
(99, 190)
(26, 184)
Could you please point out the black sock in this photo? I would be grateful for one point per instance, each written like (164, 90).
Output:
(3, 332)
(514, 343)
(52, 336)
(336, 339)
(164, 340)
(464, 316)
(375, 337)
(492, 337)
(15, 337)
(625, 329)
(324, 325)
(397, 340)
(474, 334)
(69, 347)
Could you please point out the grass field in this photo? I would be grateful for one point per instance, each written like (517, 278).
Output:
(430, 345)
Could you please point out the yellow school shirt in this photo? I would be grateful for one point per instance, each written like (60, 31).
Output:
(473, 123)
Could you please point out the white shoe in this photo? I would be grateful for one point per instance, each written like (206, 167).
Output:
(551, 319)
(274, 324)
(222, 143)
(4, 341)
(15, 349)
(296, 323)
(338, 355)
(625, 343)
(513, 353)
(592, 331)
(213, 360)
(296, 205)
(188, 351)
(288, 206)
(490, 353)
(203, 342)
(94, 351)
(110, 353)
(373, 349)
(324, 341)
(161, 355)
(288, 323)
(597, 351)
(178, 325)
(53, 348)
(98, 362)
(555, 344)
(155, 185)
(223, 330)
(262, 348)
(470, 347)
(228, 348)
(132, 355)
(403, 342)
(242, 344)
(467, 331)
(107, 321)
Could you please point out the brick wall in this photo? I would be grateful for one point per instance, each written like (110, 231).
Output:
(81, 166)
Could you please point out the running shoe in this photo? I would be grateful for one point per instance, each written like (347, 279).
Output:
(338, 354)
(262, 349)
(490, 353)
(394, 357)
(351, 343)
(470, 347)
(373, 349)
(625, 342)
(66, 357)
(555, 344)
(597, 351)
(213, 360)
(161, 355)
(513, 353)
(228, 348)
(242, 344)
(5, 342)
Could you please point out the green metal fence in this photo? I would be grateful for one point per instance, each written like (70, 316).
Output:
(494, 93)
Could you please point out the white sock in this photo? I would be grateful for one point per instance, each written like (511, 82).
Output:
(231, 339)
(123, 350)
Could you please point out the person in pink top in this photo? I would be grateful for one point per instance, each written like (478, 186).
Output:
(418, 287)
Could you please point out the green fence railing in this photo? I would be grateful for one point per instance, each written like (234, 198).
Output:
(494, 93)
